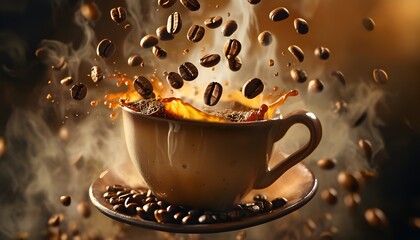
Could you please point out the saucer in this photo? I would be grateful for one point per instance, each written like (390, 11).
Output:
(298, 185)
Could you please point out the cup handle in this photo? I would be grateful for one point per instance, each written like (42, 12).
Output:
(280, 128)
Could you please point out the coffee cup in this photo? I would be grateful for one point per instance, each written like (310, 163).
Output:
(211, 165)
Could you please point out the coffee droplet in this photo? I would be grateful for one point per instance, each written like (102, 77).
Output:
(347, 181)
(326, 163)
(192, 5)
(65, 200)
(301, 26)
(329, 195)
(296, 52)
(368, 23)
(380, 76)
(213, 93)
(375, 217)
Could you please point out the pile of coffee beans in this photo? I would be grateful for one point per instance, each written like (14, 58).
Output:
(142, 203)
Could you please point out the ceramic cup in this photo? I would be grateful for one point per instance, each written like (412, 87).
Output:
(209, 165)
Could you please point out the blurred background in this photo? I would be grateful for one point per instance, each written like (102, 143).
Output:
(52, 145)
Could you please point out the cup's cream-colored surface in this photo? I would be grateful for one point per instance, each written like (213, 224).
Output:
(210, 165)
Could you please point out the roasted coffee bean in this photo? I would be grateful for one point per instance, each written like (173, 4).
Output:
(254, 1)
(143, 86)
(298, 75)
(235, 215)
(189, 220)
(105, 48)
(339, 76)
(322, 53)
(301, 26)
(279, 202)
(166, 3)
(138, 198)
(159, 52)
(119, 208)
(352, 200)
(163, 34)
(175, 80)
(253, 88)
(179, 216)
(315, 85)
(162, 216)
(207, 219)
(380, 76)
(78, 91)
(131, 209)
(265, 38)
(195, 33)
(213, 22)
(115, 188)
(142, 214)
(192, 5)
(149, 193)
(188, 71)
(348, 182)
(232, 48)
(118, 14)
(229, 28)
(83, 209)
(96, 74)
(116, 200)
(162, 204)
(174, 24)
(123, 193)
(150, 208)
(279, 14)
(366, 147)
(195, 212)
(210, 60)
(235, 63)
(375, 217)
(326, 163)
(368, 23)
(148, 41)
(213, 93)
(135, 61)
(66, 81)
(65, 200)
(296, 52)
(259, 197)
(329, 195)
(90, 11)
(150, 200)
(55, 220)
(173, 209)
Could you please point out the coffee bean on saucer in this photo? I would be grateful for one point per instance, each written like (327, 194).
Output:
(149, 193)
(188, 71)
(213, 93)
(278, 202)
(259, 197)
(298, 75)
(265, 38)
(163, 34)
(229, 28)
(174, 24)
(189, 220)
(148, 41)
(207, 219)
(78, 91)
(232, 48)
(105, 48)
(142, 214)
(296, 52)
(130, 209)
(322, 53)
(175, 80)
(166, 3)
(192, 5)
(119, 208)
(213, 22)
(347, 181)
(150, 207)
(135, 60)
(96, 74)
(173, 209)
(162, 216)
(159, 52)
(279, 14)
(143, 86)
(108, 195)
(368, 23)
(65, 200)
(315, 86)
(234, 63)
(329, 196)
(326, 163)
(301, 26)
(118, 14)
(210, 60)
(162, 204)
(179, 216)
(195, 33)
(380, 76)
(339, 76)
(253, 88)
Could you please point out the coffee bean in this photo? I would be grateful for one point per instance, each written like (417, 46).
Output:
(122, 192)
(380, 76)
(232, 48)
(235, 63)
(119, 208)
(213, 93)
(116, 200)
(83, 209)
(279, 202)
(150, 208)
(368, 23)
(175, 80)
(179, 216)
(339, 76)
(162, 204)
(108, 195)
(173, 209)
(352, 200)
(259, 197)
(188, 71)
(279, 14)
(301, 26)
(296, 52)
(174, 24)
(315, 85)
(78, 91)
(375, 217)
(90, 11)
(105, 48)
(130, 209)
(3, 147)
(322, 53)
(195, 33)
(96, 74)
(326, 163)
(298, 75)
(118, 14)
(55, 220)
(192, 5)
(166, 3)
(210, 60)
(65, 200)
(206, 219)
(347, 181)
(148, 41)
(189, 220)
(229, 28)
(66, 81)
(159, 52)
(135, 61)
(366, 147)
(143, 86)
(265, 38)
(115, 188)
(254, 1)
(213, 22)
(329, 195)
(253, 88)
(163, 216)
(163, 35)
